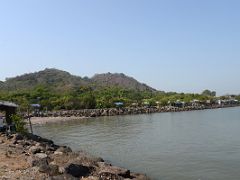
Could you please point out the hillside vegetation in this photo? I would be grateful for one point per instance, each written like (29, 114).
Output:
(64, 81)
(56, 89)
(52, 78)
(120, 80)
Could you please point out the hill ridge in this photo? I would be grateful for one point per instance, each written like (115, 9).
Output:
(63, 80)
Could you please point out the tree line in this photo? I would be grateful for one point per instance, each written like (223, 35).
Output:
(89, 98)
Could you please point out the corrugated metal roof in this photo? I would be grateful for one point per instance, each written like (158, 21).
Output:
(36, 105)
(8, 104)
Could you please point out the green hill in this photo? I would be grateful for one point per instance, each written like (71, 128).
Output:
(120, 80)
(59, 80)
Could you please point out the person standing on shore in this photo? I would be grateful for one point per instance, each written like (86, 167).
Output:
(1, 123)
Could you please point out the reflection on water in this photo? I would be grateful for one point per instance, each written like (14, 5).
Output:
(186, 145)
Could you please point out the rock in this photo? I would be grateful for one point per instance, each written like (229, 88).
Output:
(40, 160)
(41, 155)
(93, 114)
(61, 170)
(63, 177)
(109, 176)
(51, 148)
(106, 169)
(25, 143)
(97, 159)
(58, 153)
(104, 113)
(78, 170)
(35, 149)
(18, 137)
(36, 161)
(91, 178)
(50, 161)
(139, 177)
(38, 144)
(38, 139)
(10, 136)
(53, 170)
(64, 150)
(8, 153)
(43, 166)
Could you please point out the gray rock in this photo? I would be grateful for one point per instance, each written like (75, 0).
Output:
(63, 177)
(35, 149)
(110, 176)
(37, 162)
(18, 137)
(50, 148)
(53, 170)
(64, 149)
(41, 155)
(25, 143)
(61, 170)
(104, 113)
(40, 160)
(106, 169)
(43, 166)
(139, 177)
(58, 153)
(93, 114)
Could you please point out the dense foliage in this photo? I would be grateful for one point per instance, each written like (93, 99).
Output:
(85, 97)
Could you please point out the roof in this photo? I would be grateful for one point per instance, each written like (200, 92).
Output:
(118, 103)
(36, 105)
(8, 104)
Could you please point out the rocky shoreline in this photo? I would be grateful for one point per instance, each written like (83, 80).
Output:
(127, 111)
(29, 156)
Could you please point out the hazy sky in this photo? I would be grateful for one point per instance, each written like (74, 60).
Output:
(172, 45)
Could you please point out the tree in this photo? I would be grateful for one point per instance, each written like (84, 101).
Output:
(209, 93)
(88, 101)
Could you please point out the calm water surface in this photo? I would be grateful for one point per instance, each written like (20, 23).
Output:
(197, 145)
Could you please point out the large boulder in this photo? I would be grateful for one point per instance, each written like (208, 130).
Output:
(38, 139)
(78, 171)
(38, 160)
(41, 160)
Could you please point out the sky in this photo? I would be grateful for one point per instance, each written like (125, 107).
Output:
(171, 45)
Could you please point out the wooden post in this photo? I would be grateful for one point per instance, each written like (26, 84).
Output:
(29, 120)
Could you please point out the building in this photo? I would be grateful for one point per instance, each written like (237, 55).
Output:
(179, 104)
(119, 104)
(9, 108)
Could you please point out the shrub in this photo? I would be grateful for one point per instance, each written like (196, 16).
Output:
(19, 124)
